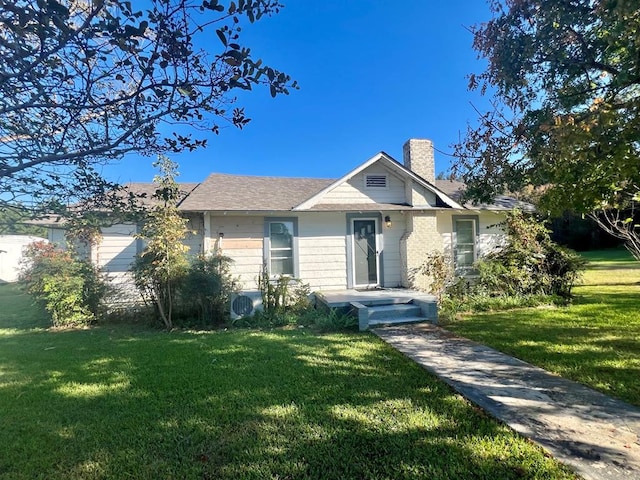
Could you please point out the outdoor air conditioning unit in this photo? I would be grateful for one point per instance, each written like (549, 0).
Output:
(245, 304)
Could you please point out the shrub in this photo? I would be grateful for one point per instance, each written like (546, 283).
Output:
(530, 263)
(71, 290)
(287, 301)
(529, 270)
(282, 295)
(439, 268)
(454, 305)
(206, 289)
(275, 292)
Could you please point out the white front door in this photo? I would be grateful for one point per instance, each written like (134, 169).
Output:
(366, 267)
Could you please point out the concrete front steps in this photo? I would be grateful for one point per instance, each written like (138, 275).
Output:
(381, 306)
(417, 310)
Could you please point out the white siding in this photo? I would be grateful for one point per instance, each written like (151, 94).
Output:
(391, 247)
(195, 237)
(122, 289)
(57, 236)
(419, 196)
(354, 191)
(242, 242)
(117, 249)
(492, 236)
(114, 255)
(322, 250)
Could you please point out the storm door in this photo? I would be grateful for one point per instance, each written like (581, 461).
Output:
(365, 253)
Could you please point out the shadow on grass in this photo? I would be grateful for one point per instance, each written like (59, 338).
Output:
(104, 403)
(610, 255)
(18, 309)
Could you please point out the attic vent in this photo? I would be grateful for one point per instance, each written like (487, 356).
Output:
(375, 181)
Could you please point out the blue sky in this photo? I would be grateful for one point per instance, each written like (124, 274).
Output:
(372, 74)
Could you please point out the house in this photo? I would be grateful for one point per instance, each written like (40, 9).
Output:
(373, 227)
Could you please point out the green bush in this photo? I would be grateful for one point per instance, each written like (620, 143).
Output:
(205, 290)
(71, 290)
(439, 268)
(529, 270)
(530, 263)
(282, 295)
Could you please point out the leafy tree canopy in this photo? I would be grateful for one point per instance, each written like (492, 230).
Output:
(83, 82)
(13, 222)
(565, 76)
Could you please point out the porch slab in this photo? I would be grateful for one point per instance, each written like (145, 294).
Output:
(382, 306)
(382, 296)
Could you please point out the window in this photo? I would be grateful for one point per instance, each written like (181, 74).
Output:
(464, 249)
(280, 246)
(375, 181)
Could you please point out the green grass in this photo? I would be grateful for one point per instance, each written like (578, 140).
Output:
(119, 401)
(17, 310)
(595, 341)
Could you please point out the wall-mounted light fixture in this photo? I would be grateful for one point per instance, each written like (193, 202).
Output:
(387, 221)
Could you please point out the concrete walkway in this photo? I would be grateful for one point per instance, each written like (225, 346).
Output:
(592, 433)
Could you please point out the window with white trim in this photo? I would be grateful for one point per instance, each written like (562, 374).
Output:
(464, 248)
(281, 247)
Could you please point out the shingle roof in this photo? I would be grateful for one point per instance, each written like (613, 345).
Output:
(222, 192)
(452, 188)
(225, 192)
(455, 190)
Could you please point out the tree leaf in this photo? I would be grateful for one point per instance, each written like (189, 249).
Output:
(222, 37)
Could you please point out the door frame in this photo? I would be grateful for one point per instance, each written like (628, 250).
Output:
(377, 218)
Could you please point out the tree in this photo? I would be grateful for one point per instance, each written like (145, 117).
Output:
(163, 263)
(565, 80)
(12, 222)
(84, 82)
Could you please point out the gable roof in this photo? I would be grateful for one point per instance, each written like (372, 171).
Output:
(223, 192)
(229, 193)
(387, 161)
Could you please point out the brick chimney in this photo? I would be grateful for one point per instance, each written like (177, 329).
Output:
(417, 155)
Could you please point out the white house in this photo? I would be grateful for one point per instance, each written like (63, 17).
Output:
(373, 227)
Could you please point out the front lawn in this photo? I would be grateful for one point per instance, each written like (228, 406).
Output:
(595, 341)
(127, 402)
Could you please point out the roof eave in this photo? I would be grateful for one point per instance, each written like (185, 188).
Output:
(314, 199)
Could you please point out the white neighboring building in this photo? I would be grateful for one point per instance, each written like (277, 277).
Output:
(11, 248)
